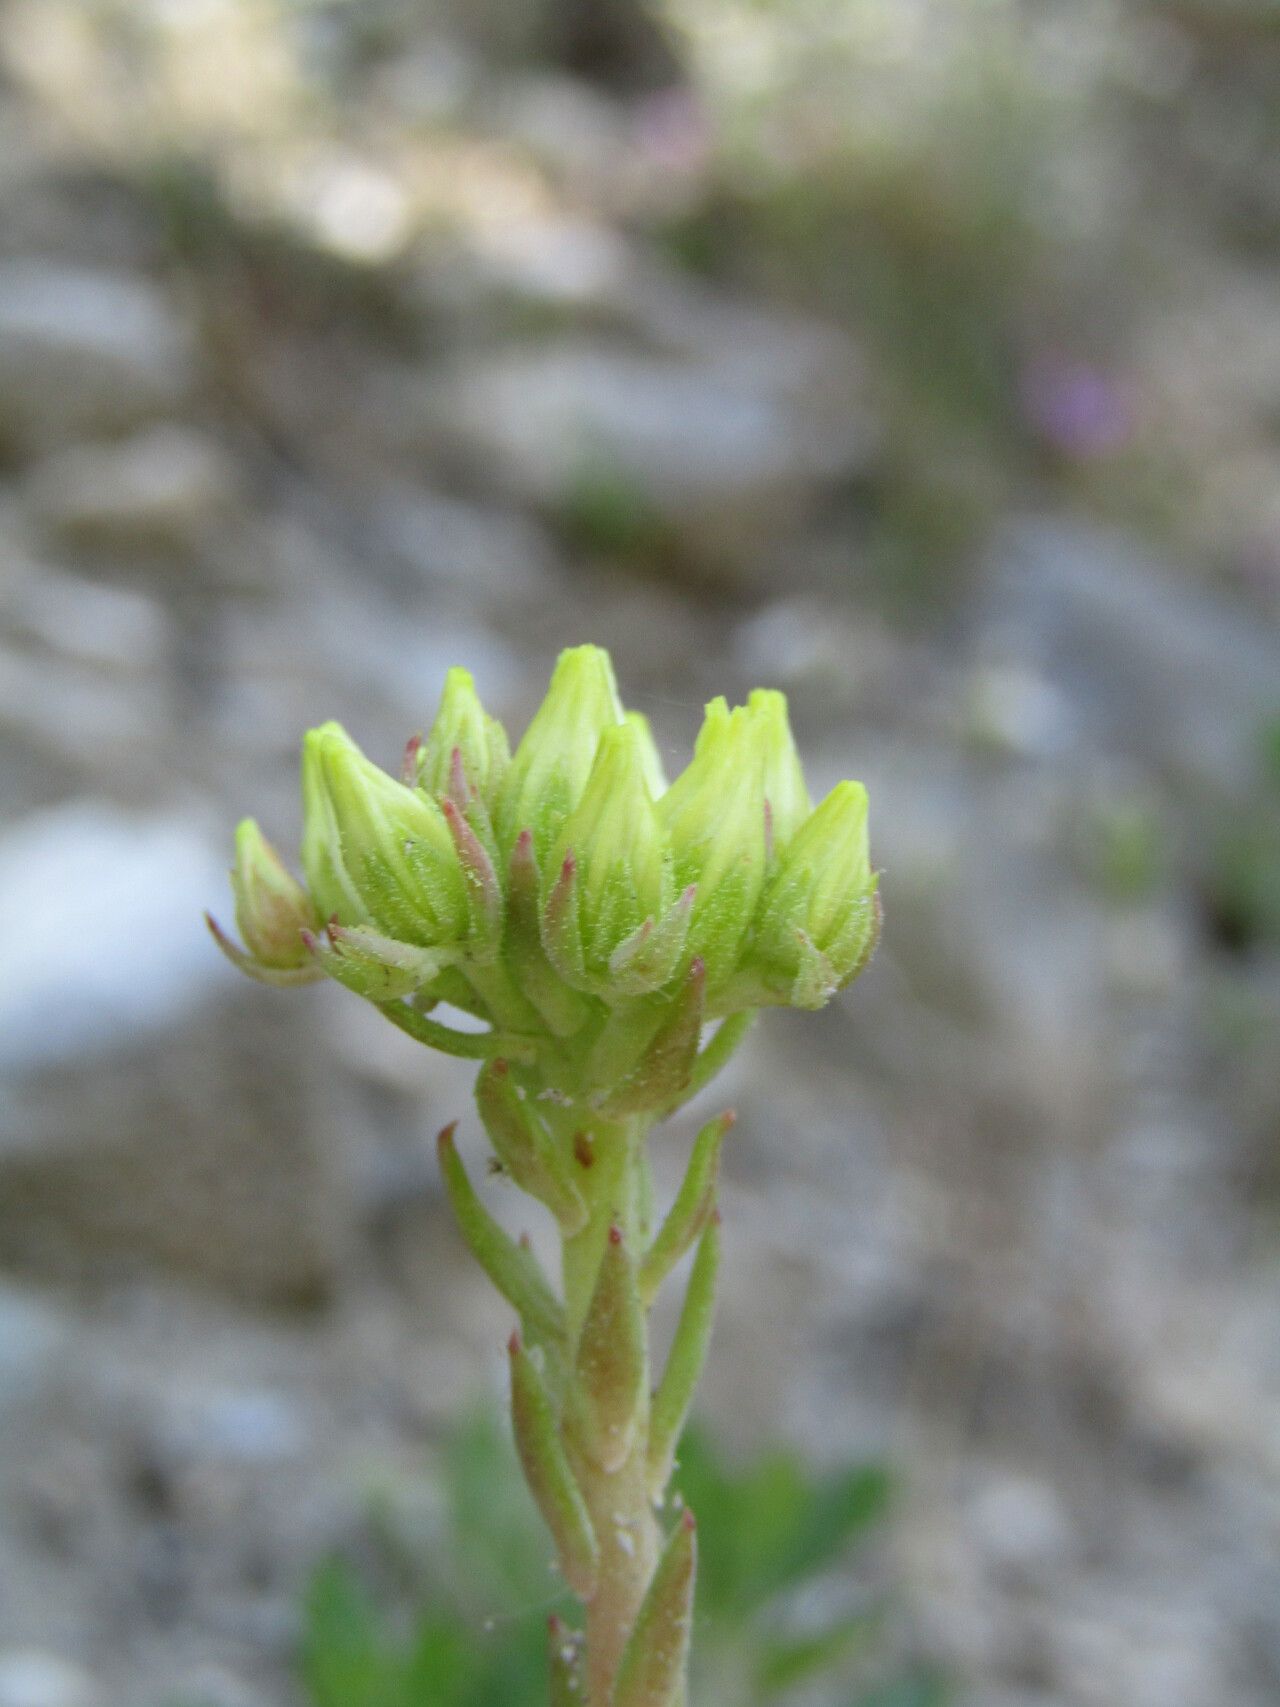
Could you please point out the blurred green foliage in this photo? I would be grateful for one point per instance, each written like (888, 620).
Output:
(777, 1605)
(1242, 885)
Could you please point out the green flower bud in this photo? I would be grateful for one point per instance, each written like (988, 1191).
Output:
(819, 918)
(272, 907)
(714, 814)
(621, 870)
(375, 852)
(274, 914)
(552, 763)
(654, 771)
(464, 727)
(786, 798)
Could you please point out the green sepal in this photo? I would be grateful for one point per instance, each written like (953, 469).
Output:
(511, 1267)
(648, 958)
(526, 1149)
(611, 1366)
(694, 1205)
(652, 1672)
(372, 965)
(688, 1352)
(282, 977)
(546, 1470)
(565, 1011)
(483, 891)
(663, 1069)
(562, 926)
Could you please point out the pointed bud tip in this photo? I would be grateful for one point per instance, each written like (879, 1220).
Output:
(615, 1234)
(444, 1138)
(688, 1522)
(728, 1118)
(515, 1345)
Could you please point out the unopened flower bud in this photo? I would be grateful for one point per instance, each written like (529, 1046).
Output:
(374, 851)
(622, 870)
(714, 815)
(272, 907)
(551, 765)
(463, 727)
(654, 771)
(819, 918)
(786, 800)
(274, 914)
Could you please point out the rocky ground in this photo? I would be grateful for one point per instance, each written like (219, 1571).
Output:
(1006, 1213)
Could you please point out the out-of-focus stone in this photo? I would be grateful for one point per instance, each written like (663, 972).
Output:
(150, 1116)
(116, 629)
(717, 453)
(83, 349)
(29, 1677)
(163, 487)
(104, 942)
(1145, 666)
(1021, 1528)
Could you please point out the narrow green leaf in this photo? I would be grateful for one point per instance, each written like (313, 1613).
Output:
(527, 1149)
(546, 1470)
(730, 1034)
(685, 1359)
(689, 1214)
(652, 1672)
(784, 1663)
(664, 1069)
(512, 1269)
(611, 1375)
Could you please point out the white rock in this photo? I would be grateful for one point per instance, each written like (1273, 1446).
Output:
(104, 938)
(83, 348)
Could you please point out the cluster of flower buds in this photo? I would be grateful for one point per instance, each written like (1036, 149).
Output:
(565, 894)
(592, 915)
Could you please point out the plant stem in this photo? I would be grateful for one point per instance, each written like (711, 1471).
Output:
(618, 1499)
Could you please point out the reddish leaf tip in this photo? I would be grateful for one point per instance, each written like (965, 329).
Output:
(688, 1521)
(515, 1345)
(584, 1155)
(444, 1138)
(615, 1234)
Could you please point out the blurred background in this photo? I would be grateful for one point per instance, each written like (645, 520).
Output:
(919, 357)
